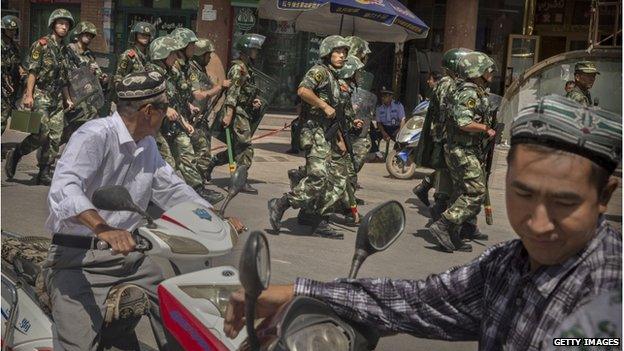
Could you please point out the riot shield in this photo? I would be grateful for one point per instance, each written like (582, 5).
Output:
(266, 88)
(364, 105)
(84, 87)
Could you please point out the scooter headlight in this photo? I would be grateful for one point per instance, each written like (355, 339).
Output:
(182, 245)
(318, 337)
(219, 295)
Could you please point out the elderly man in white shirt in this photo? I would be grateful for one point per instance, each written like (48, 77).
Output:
(117, 150)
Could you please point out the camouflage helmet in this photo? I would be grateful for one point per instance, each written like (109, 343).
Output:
(85, 27)
(352, 64)
(249, 41)
(331, 43)
(184, 35)
(60, 14)
(142, 28)
(203, 46)
(10, 22)
(358, 47)
(450, 59)
(475, 64)
(161, 47)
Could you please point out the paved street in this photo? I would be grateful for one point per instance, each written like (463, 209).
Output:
(293, 252)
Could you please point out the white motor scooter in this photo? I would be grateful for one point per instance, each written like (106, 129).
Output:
(400, 160)
(187, 236)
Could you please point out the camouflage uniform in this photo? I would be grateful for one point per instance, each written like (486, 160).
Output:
(11, 60)
(239, 97)
(76, 59)
(130, 61)
(201, 138)
(173, 143)
(464, 154)
(578, 94)
(320, 188)
(47, 62)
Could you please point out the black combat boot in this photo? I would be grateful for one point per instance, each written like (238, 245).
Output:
(308, 218)
(44, 177)
(277, 207)
(422, 191)
(324, 230)
(248, 189)
(209, 195)
(208, 173)
(12, 159)
(444, 233)
(438, 208)
(470, 231)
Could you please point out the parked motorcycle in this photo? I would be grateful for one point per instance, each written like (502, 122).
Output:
(303, 324)
(400, 160)
(186, 236)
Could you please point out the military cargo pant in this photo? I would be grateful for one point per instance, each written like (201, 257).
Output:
(7, 108)
(201, 145)
(241, 135)
(320, 188)
(468, 177)
(52, 123)
(177, 150)
(361, 148)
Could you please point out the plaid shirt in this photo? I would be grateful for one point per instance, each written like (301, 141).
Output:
(494, 299)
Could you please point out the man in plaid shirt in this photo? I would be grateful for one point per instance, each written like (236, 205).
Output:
(514, 296)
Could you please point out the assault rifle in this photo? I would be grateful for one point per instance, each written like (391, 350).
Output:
(489, 156)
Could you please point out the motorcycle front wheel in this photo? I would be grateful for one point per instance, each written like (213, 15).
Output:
(398, 168)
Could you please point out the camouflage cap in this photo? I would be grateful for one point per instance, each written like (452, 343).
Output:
(474, 64)
(161, 47)
(60, 14)
(358, 47)
(85, 27)
(331, 43)
(564, 124)
(141, 85)
(184, 35)
(585, 67)
(451, 58)
(351, 65)
(142, 28)
(10, 22)
(203, 46)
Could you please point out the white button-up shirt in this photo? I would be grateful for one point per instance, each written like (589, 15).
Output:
(391, 115)
(103, 153)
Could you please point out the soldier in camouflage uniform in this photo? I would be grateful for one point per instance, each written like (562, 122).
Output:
(135, 58)
(241, 102)
(467, 129)
(430, 151)
(173, 141)
(79, 55)
(46, 89)
(11, 66)
(320, 92)
(204, 90)
(584, 77)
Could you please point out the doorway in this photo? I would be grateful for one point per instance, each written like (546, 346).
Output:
(551, 46)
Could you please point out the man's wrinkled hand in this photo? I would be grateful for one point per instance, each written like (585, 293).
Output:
(267, 305)
(120, 241)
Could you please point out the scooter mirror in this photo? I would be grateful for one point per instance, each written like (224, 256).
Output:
(117, 198)
(381, 227)
(237, 182)
(113, 198)
(255, 273)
